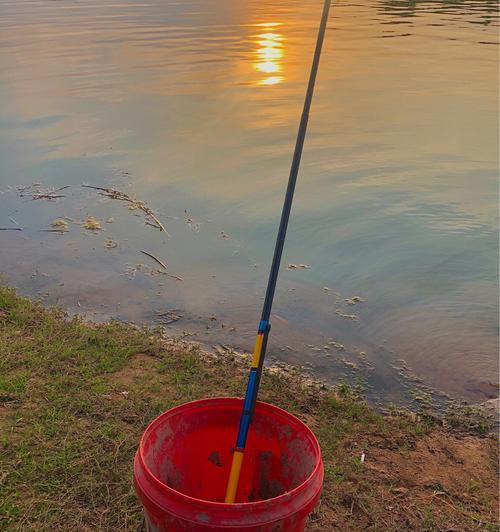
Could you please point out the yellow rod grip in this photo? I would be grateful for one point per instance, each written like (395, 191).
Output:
(257, 352)
(234, 476)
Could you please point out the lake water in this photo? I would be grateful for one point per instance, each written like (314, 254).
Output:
(192, 106)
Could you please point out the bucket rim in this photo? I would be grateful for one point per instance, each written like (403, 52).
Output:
(238, 505)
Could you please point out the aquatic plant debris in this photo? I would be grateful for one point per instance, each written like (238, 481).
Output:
(346, 316)
(110, 244)
(61, 225)
(298, 267)
(92, 224)
(169, 316)
(354, 299)
(156, 259)
(163, 265)
(36, 192)
(14, 221)
(191, 223)
(337, 345)
(134, 204)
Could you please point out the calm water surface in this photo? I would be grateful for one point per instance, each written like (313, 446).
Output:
(192, 106)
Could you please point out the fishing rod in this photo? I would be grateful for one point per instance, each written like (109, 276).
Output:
(264, 325)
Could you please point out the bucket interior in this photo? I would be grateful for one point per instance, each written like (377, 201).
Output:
(191, 451)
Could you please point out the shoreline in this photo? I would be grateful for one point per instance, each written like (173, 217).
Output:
(411, 392)
(389, 371)
(483, 412)
(75, 397)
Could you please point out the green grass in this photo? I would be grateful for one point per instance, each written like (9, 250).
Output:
(75, 398)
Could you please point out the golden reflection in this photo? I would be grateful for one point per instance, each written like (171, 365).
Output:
(269, 54)
(267, 24)
(272, 80)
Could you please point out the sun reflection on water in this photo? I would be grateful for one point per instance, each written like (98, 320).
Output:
(269, 54)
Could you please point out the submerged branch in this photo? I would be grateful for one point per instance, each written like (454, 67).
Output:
(163, 265)
(160, 262)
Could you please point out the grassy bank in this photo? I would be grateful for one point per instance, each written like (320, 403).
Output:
(75, 398)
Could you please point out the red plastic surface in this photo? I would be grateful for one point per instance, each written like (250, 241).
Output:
(184, 457)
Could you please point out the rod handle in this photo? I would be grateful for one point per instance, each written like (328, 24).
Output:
(234, 476)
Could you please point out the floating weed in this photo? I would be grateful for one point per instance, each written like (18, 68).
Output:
(110, 244)
(92, 224)
(298, 267)
(354, 300)
(352, 317)
(61, 225)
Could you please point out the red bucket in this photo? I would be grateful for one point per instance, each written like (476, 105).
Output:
(182, 466)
